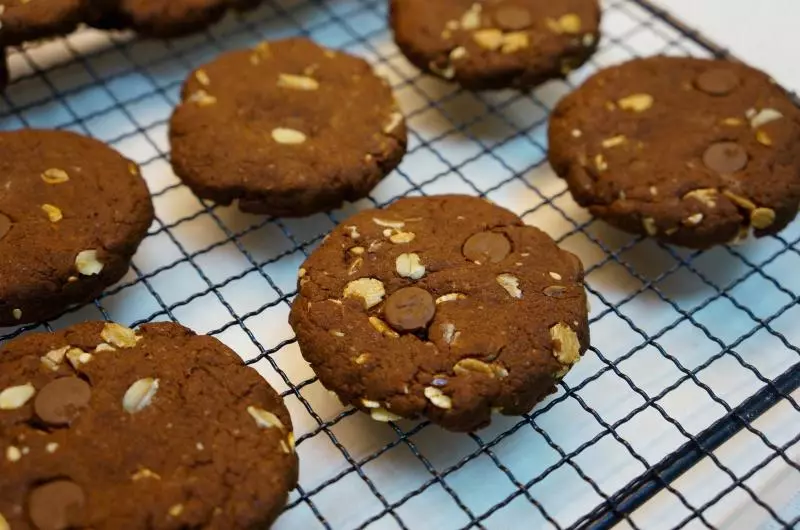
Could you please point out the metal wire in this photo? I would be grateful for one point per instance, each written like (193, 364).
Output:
(616, 445)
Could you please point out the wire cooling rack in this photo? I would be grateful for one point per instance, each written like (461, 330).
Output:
(683, 414)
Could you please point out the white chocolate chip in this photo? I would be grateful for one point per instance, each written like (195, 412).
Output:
(448, 72)
(556, 276)
(176, 510)
(353, 232)
(13, 454)
(370, 404)
(104, 347)
(707, 196)
(55, 176)
(17, 314)
(470, 366)
(402, 237)
(388, 223)
(614, 141)
(264, 418)
(566, 346)
(51, 448)
(382, 327)
(202, 77)
(694, 219)
(286, 136)
(511, 284)
(395, 120)
(78, 357)
(145, 473)
(649, 225)
(119, 336)
(636, 102)
(450, 297)
(368, 289)
(458, 53)
(576, 133)
(472, 18)
(139, 395)
(764, 116)
(449, 333)
(202, 98)
(53, 212)
(488, 39)
(3, 523)
(297, 82)
(87, 264)
(14, 397)
(409, 266)
(438, 398)
(53, 358)
(383, 415)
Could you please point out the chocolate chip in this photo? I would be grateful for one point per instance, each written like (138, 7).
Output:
(410, 309)
(61, 400)
(56, 505)
(512, 18)
(717, 82)
(5, 225)
(725, 157)
(487, 247)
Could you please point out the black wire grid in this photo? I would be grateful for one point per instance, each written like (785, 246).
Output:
(682, 413)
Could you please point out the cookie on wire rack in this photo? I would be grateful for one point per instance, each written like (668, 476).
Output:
(690, 151)
(288, 129)
(28, 20)
(446, 307)
(493, 44)
(72, 214)
(109, 428)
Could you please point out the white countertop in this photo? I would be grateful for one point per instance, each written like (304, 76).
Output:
(761, 33)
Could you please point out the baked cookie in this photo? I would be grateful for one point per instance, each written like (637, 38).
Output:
(72, 213)
(163, 18)
(690, 151)
(492, 44)
(446, 307)
(103, 427)
(288, 129)
(26, 20)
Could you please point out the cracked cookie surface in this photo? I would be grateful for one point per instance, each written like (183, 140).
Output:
(446, 307)
(492, 44)
(690, 151)
(109, 428)
(288, 128)
(72, 213)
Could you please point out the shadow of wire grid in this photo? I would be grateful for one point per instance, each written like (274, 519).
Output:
(680, 339)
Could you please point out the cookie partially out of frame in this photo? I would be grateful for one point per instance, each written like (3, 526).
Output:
(163, 18)
(288, 128)
(690, 151)
(72, 214)
(446, 307)
(27, 20)
(106, 428)
(493, 44)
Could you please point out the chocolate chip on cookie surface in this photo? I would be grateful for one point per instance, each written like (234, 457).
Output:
(105, 427)
(691, 151)
(26, 20)
(72, 213)
(493, 44)
(288, 128)
(446, 307)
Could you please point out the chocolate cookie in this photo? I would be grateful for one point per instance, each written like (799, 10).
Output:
(72, 213)
(691, 151)
(163, 18)
(26, 20)
(493, 44)
(446, 307)
(288, 129)
(106, 428)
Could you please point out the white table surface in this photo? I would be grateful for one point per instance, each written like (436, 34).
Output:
(762, 33)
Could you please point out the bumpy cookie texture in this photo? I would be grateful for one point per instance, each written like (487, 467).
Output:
(109, 428)
(288, 128)
(26, 20)
(72, 213)
(163, 18)
(694, 152)
(493, 44)
(446, 307)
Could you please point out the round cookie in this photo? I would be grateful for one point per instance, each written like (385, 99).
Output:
(163, 18)
(288, 129)
(694, 152)
(447, 307)
(106, 428)
(72, 213)
(493, 44)
(27, 20)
